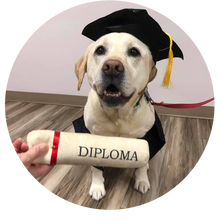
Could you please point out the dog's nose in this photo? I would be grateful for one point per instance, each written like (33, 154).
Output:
(113, 67)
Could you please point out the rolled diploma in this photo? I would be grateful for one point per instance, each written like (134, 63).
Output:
(88, 149)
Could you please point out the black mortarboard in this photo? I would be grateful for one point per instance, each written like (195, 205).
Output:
(138, 23)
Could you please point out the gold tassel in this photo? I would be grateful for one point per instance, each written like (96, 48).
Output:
(166, 80)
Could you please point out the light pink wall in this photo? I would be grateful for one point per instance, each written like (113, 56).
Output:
(46, 62)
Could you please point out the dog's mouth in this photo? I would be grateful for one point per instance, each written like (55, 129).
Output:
(113, 97)
(112, 91)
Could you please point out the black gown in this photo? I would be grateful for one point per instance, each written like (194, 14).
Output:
(154, 137)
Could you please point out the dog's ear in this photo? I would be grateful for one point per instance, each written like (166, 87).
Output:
(153, 73)
(81, 66)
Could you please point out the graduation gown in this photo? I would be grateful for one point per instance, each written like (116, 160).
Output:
(154, 137)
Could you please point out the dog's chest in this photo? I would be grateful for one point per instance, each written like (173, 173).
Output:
(120, 128)
(134, 126)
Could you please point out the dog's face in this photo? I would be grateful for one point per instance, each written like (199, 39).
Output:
(118, 66)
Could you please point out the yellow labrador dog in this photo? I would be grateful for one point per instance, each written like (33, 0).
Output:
(119, 67)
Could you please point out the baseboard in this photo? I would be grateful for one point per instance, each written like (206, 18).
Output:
(46, 98)
(202, 112)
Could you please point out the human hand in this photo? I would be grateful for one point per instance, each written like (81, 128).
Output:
(27, 156)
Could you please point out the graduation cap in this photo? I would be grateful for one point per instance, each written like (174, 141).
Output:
(140, 24)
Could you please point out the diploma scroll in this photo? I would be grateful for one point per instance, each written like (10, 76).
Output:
(88, 149)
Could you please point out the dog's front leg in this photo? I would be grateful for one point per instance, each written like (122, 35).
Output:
(142, 183)
(97, 189)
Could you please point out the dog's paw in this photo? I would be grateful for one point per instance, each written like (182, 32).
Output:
(142, 186)
(97, 191)
(142, 183)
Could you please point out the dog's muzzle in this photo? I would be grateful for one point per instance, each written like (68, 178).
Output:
(112, 71)
(112, 80)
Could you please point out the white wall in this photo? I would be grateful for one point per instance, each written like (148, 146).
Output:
(46, 62)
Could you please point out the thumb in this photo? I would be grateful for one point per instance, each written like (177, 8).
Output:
(33, 153)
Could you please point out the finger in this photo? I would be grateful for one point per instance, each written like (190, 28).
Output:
(33, 153)
(17, 145)
(24, 147)
(17, 142)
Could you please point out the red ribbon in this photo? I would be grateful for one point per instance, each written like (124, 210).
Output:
(55, 148)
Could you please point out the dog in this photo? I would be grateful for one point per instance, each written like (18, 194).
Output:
(119, 66)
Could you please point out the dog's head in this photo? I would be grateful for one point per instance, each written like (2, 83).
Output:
(118, 66)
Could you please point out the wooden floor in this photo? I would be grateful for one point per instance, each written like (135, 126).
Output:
(186, 139)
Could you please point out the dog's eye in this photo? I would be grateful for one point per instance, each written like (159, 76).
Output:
(100, 50)
(134, 52)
